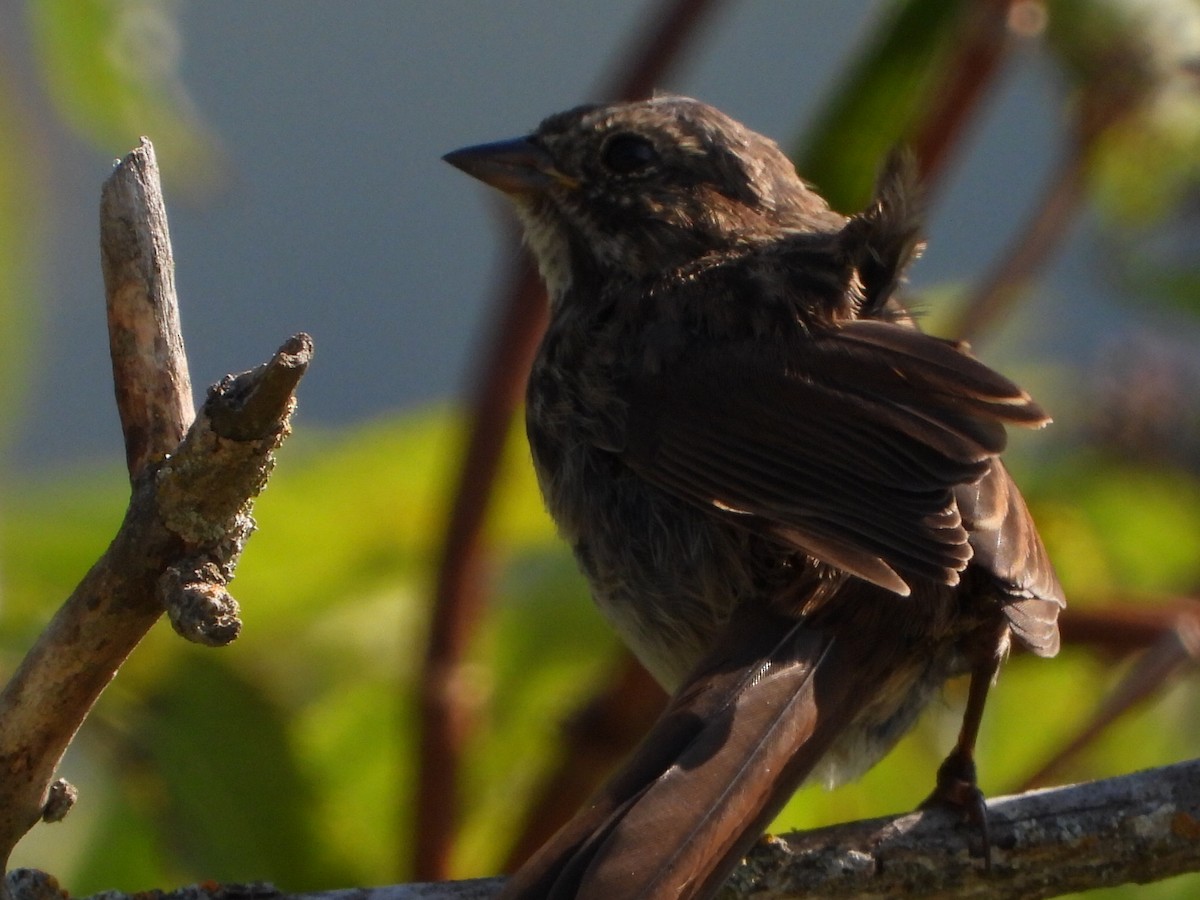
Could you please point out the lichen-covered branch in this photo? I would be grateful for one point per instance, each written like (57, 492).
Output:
(1135, 828)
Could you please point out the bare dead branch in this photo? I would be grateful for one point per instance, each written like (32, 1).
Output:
(150, 372)
(189, 509)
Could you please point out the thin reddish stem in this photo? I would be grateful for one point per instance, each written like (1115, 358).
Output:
(981, 48)
(459, 594)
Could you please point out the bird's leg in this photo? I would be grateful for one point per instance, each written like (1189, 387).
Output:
(957, 786)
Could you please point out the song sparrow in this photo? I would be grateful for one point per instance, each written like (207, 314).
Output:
(785, 496)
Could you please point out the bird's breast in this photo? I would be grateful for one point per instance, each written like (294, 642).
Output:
(666, 574)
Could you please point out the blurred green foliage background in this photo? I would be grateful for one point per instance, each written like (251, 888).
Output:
(291, 756)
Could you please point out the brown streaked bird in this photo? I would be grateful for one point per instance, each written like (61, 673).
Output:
(786, 498)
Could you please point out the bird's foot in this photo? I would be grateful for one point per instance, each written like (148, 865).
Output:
(958, 789)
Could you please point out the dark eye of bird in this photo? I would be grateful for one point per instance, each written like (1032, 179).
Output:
(625, 154)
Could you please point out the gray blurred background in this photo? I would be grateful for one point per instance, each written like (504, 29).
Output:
(333, 213)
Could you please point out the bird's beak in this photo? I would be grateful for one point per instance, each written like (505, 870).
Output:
(516, 167)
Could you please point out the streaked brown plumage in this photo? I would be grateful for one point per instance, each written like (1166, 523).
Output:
(786, 497)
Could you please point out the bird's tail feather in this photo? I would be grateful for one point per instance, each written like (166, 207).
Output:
(691, 800)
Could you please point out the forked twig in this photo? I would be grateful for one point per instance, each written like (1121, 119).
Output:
(193, 479)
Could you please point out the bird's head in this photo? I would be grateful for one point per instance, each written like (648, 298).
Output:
(636, 189)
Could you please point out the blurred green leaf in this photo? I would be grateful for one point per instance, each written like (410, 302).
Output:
(1119, 530)
(124, 849)
(111, 68)
(1133, 68)
(1143, 168)
(50, 534)
(1170, 286)
(235, 803)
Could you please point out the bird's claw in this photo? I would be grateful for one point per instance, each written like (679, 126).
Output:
(958, 790)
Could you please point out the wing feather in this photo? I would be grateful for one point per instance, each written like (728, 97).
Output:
(851, 448)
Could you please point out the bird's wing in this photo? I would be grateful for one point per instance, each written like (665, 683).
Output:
(1006, 544)
(850, 449)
